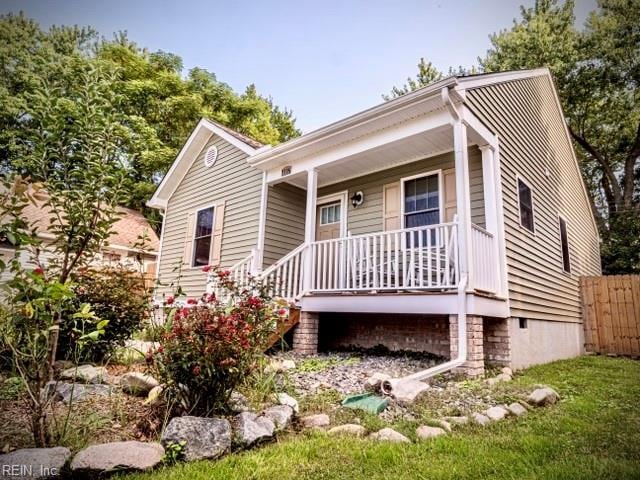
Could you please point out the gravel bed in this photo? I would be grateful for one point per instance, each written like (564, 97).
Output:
(346, 372)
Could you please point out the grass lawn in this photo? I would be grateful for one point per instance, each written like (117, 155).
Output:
(594, 432)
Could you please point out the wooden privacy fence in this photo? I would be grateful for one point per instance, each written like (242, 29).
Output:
(611, 309)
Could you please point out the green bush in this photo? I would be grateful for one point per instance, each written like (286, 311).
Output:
(211, 345)
(115, 294)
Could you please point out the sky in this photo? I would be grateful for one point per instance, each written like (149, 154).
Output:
(324, 59)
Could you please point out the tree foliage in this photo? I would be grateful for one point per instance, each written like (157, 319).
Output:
(597, 74)
(158, 106)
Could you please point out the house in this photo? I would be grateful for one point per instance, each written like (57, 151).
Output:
(133, 241)
(458, 207)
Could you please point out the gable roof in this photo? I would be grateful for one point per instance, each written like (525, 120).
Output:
(127, 230)
(192, 147)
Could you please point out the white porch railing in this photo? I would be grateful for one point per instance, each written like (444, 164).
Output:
(419, 258)
(285, 277)
(485, 264)
(239, 273)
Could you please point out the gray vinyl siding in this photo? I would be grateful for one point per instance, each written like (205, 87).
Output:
(232, 180)
(368, 217)
(284, 229)
(534, 145)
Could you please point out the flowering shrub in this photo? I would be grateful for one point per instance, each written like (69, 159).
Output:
(210, 345)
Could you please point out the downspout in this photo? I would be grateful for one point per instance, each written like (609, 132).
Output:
(388, 386)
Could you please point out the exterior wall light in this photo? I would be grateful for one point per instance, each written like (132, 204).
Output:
(357, 199)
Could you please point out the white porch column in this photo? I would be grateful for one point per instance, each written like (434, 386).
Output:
(310, 226)
(258, 257)
(463, 198)
(488, 180)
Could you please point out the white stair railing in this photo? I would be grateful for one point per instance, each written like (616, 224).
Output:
(285, 276)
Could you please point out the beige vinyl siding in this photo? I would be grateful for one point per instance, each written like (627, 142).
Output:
(534, 145)
(368, 217)
(284, 230)
(232, 180)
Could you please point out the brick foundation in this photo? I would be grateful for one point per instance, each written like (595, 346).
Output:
(305, 335)
(474, 366)
(418, 333)
(497, 342)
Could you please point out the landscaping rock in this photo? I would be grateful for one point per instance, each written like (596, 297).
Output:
(507, 371)
(285, 399)
(406, 392)
(444, 425)
(492, 381)
(389, 435)
(287, 365)
(40, 462)
(496, 413)
(154, 397)
(280, 415)
(61, 365)
(70, 392)
(517, 409)
(207, 438)
(117, 456)
(374, 382)
(348, 429)
(503, 377)
(85, 373)
(425, 432)
(541, 397)
(481, 419)
(137, 383)
(316, 421)
(238, 402)
(251, 429)
(460, 420)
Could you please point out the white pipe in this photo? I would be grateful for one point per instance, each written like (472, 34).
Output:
(388, 386)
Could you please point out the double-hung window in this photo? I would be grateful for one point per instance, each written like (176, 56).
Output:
(525, 202)
(422, 204)
(564, 245)
(202, 237)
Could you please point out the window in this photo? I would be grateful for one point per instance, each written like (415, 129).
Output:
(525, 200)
(421, 201)
(522, 323)
(202, 237)
(564, 243)
(330, 214)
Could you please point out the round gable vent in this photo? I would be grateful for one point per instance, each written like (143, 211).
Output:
(210, 156)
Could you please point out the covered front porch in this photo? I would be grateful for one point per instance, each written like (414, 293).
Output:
(407, 203)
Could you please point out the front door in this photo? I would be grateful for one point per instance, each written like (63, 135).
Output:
(329, 220)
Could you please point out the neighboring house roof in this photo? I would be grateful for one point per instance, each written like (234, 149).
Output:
(128, 228)
(192, 147)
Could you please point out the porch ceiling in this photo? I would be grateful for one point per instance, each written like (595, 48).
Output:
(406, 150)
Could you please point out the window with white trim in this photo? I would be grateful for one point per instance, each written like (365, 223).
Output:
(564, 245)
(422, 201)
(330, 213)
(202, 237)
(525, 202)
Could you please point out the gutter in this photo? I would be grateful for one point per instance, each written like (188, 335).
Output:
(389, 386)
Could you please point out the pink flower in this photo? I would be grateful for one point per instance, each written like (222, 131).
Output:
(170, 300)
(39, 271)
(206, 268)
(192, 301)
(210, 298)
(196, 370)
(160, 349)
(282, 312)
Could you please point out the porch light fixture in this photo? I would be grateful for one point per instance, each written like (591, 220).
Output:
(357, 199)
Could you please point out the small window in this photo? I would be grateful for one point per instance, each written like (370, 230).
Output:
(421, 201)
(525, 200)
(564, 243)
(330, 214)
(202, 237)
(523, 323)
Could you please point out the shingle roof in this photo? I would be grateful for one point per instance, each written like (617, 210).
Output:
(127, 230)
(243, 138)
